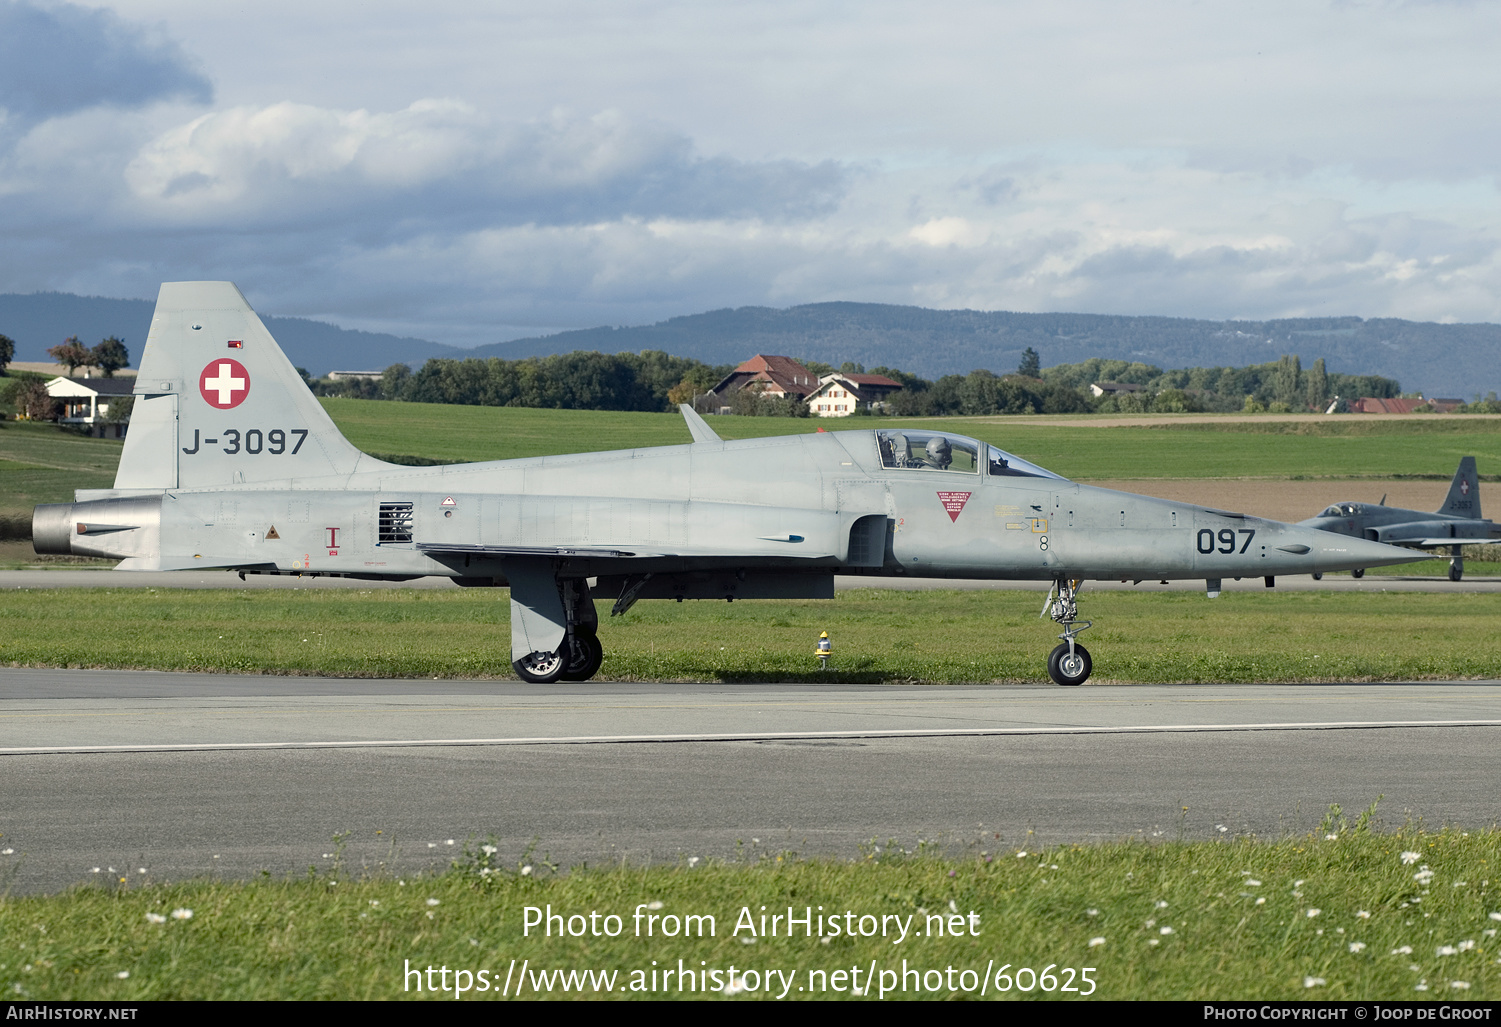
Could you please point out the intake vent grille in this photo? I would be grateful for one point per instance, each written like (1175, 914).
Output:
(396, 522)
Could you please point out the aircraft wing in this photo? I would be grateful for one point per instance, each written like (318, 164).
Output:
(569, 551)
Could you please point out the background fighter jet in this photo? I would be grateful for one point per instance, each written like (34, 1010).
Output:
(1458, 519)
(232, 463)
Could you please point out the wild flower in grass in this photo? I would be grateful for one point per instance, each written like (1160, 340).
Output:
(1467, 945)
(1495, 916)
(432, 902)
(1221, 828)
(1313, 913)
(488, 850)
(1364, 914)
(747, 941)
(1093, 942)
(182, 914)
(123, 974)
(1165, 930)
(1357, 946)
(1152, 941)
(692, 862)
(1460, 985)
(374, 903)
(1261, 901)
(1448, 950)
(734, 986)
(155, 918)
(1405, 950)
(1331, 837)
(654, 904)
(1091, 912)
(1409, 858)
(1314, 982)
(1161, 905)
(1250, 883)
(1021, 855)
(526, 871)
(1421, 985)
(1423, 876)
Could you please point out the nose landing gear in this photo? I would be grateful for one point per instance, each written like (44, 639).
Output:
(1069, 663)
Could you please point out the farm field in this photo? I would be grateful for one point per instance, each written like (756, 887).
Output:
(937, 637)
(1229, 448)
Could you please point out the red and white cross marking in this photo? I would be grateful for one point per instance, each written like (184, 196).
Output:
(224, 384)
(1464, 486)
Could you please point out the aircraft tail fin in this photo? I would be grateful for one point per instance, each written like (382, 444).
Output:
(218, 403)
(1464, 492)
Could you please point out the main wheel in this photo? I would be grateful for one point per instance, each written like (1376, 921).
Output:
(1456, 571)
(540, 668)
(1317, 576)
(1358, 574)
(1069, 668)
(585, 659)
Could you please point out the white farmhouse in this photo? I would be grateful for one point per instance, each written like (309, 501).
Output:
(840, 395)
(87, 400)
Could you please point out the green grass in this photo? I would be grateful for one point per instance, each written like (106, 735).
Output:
(1239, 919)
(1412, 449)
(41, 463)
(878, 635)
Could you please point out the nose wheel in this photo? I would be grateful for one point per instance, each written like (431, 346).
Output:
(1069, 666)
(1069, 663)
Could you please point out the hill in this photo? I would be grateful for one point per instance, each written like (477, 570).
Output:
(1440, 359)
(42, 319)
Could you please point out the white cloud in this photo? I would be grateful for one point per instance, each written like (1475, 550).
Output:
(577, 164)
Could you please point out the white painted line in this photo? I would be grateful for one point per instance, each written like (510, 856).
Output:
(753, 736)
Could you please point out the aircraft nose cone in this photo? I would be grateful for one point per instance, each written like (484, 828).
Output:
(1333, 552)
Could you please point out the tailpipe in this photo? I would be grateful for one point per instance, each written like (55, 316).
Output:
(52, 529)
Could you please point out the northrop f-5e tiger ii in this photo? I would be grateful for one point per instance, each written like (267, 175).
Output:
(232, 463)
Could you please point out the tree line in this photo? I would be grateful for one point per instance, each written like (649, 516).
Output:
(656, 381)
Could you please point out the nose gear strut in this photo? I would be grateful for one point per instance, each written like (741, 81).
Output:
(1069, 663)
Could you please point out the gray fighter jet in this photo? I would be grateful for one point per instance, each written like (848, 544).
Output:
(1456, 523)
(232, 463)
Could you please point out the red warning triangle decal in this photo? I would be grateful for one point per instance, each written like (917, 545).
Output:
(953, 502)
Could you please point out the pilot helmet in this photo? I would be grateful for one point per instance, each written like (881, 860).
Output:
(938, 449)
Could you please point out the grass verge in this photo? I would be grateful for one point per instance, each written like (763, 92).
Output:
(879, 635)
(1346, 913)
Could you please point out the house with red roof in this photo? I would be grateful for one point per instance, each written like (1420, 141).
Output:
(770, 376)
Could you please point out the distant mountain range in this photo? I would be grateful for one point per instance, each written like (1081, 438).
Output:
(42, 319)
(1440, 359)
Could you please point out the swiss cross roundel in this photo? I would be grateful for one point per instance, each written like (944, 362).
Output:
(224, 383)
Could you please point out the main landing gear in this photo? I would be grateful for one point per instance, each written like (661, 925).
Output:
(1456, 563)
(556, 605)
(1069, 663)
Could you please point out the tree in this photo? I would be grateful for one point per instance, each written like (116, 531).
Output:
(1031, 365)
(36, 404)
(111, 355)
(1317, 385)
(7, 351)
(118, 409)
(72, 354)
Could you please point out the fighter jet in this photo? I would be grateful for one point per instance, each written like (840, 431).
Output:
(232, 463)
(1458, 519)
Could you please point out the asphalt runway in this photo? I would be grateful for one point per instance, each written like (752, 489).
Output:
(103, 578)
(190, 774)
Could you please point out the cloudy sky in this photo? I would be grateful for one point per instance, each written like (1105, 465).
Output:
(474, 171)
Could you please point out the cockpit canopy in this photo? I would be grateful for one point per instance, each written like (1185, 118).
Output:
(920, 450)
(1341, 510)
